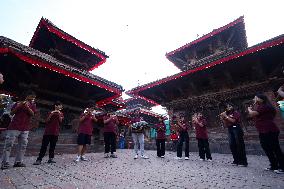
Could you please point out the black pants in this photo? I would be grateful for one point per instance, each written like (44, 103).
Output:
(47, 139)
(203, 146)
(270, 144)
(174, 145)
(237, 145)
(183, 137)
(160, 147)
(110, 142)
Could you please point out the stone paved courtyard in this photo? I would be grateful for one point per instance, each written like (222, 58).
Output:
(125, 172)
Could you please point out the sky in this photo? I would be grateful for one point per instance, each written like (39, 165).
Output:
(136, 34)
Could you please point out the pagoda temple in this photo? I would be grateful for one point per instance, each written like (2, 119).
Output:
(144, 107)
(56, 66)
(217, 68)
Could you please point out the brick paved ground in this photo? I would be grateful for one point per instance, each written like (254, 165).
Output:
(125, 172)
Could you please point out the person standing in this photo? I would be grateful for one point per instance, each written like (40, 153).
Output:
(263, 113)
(19, 128)
(183, 128)
(199, 123)
(138, 135)
(50, 136)
(174, 139)
(121, 140)
(110, 132)
(85, 131)
(161, 138)
(231, 119)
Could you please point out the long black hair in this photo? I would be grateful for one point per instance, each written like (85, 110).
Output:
(266, 101)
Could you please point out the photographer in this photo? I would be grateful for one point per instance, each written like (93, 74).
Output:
(138, 135)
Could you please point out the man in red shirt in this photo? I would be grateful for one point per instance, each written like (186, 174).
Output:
(110, 132)
(199, 123)
(19, 128)
(85, 131)
(161, 138)
(231, 119)
(51, 133)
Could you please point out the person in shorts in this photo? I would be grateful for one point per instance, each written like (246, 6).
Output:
(85, 131)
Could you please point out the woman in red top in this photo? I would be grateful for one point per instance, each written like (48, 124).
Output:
(199, 123)
(51, 133)
(231, 119)
(161, 137)
(85, 131)
(182, 126)
(263, 113)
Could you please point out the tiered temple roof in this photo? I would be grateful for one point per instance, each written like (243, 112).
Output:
(219, 43)
(244, 67)
(113, 105)
(51, 40)
(144, 107)
(48, 66)
(138, 103)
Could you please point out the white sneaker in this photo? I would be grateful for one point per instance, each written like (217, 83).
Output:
(136, 156)
(106, 155)
(210, 160)
(178, 158)
(77, 159)
(83, 158)
(162, 156)
(186, 158)
(144, 157)
(202, 159)
(279, 171)
(270, 169)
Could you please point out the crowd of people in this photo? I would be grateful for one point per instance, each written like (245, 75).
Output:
(262, 112)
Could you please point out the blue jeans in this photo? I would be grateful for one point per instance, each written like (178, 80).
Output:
(138, 138)
(121, 143)
(237, 145)
(11, 136)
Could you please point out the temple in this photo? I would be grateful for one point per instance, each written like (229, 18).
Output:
(51, 40)
(144, 107)
(56, 66)
(212, 46)
(219, 68)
